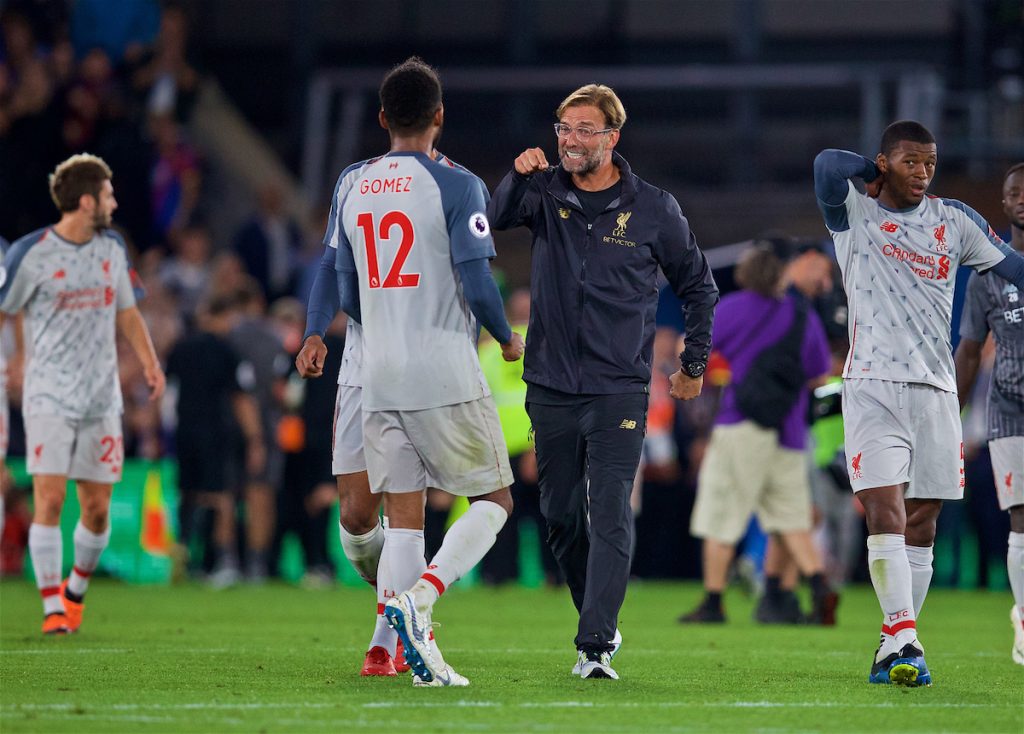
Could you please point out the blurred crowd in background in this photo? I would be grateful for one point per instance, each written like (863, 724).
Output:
(116, 78)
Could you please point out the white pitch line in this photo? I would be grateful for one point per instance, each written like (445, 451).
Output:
(166, 706)
(116, 650)
(462, 703)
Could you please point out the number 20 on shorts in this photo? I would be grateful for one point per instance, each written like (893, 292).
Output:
(395, 277)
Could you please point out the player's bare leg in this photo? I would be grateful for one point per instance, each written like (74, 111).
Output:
(46, 548)
(362, 536)
(92, 534)
(900, 656)
(362, 540)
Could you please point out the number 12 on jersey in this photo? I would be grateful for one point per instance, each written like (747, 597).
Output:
(395, 277)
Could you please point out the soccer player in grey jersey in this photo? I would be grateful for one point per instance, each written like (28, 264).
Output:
(413, 269)
(997, 306)
(73, 284)
(899, 251)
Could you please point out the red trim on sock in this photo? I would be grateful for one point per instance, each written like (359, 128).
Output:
(80, 572)
(435, 581)
(899, 626)
(49, 591)
(380, 609)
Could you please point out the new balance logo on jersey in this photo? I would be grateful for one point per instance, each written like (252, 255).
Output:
(627, 424)
(855, 466)
(888, 226)
(60, 275)
(1009, 482)
(563, 213)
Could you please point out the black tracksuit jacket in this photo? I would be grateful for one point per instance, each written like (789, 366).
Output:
(594, 285)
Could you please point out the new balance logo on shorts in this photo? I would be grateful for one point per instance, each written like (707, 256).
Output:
(627, 424)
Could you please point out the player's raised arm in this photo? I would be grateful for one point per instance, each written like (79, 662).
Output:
(515, 202)
(833, 170)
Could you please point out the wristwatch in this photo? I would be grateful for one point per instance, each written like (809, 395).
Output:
(694, 369)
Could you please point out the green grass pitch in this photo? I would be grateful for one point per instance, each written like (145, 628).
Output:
(279, 659)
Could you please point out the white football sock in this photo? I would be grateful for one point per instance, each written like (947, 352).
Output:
(405, 552)
(920, 559)
(890, 575)
(363, 551)
(46, 547)
(383, 635)
(88, 547)
(465, 543)
(1015, 569)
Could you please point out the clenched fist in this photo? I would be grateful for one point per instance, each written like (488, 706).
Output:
(684, 387)
(514, 349)
(531, 160)
(310, 360)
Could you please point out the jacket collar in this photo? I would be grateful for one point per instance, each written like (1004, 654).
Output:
(561, 186)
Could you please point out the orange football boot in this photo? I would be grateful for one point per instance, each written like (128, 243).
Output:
(72, 609)
(56, 624)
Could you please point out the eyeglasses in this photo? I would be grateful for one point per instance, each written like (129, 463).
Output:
(583, 134)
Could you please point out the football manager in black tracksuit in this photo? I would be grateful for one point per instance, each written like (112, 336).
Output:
(600, 234)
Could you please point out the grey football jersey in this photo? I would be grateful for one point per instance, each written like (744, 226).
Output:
(405, 225)
(70, 295)
(899, 271)
(350, 373)
(996, 305)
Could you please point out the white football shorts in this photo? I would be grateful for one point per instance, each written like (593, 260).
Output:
(91, 449)
(903, 432)
(347, 447)
(1008, 468)
(458, 448)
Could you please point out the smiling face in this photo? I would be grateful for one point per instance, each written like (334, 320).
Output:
(908, 169)
(579, 157)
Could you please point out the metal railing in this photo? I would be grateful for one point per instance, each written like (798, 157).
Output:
(337, 99)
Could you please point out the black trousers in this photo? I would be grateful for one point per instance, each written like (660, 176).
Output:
(588, 451)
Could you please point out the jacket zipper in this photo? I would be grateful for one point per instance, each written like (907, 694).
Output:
(583, 303)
